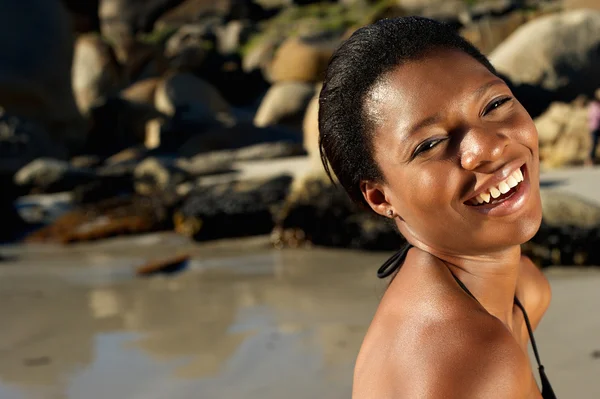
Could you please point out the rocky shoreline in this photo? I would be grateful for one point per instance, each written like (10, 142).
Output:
(160, 102)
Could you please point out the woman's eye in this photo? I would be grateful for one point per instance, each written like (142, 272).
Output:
(496, 104)
(426, 146)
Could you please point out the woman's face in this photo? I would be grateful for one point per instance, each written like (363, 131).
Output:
(449, 134)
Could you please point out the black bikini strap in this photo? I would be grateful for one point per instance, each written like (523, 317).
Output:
(393, 263)
(547, 391)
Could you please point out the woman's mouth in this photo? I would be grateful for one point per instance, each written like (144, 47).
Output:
(499, 193)
(505, 198)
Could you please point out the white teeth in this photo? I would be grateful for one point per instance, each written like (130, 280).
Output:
(503, 187)
(520, 174)
(485, 196)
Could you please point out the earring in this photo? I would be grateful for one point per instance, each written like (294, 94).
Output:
(390, 213)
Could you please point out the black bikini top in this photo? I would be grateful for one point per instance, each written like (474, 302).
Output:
(395, 262)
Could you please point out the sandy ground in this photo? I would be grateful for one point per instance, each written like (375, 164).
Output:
(244, 321)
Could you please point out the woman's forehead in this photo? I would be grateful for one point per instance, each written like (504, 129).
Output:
(422, 86)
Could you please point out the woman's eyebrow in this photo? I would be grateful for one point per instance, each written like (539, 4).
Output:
(484, 88)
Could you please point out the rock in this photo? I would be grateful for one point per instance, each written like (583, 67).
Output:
(122, 19)
(185, 89)
(302, 60)
(170, 265)
(578, 4)
(235, 137)
(103, 188)
(321, 213)
(141, 92)
(95, 73)
(117, 124)
(22, 141)
(46, 175)
(85, 161)
(193, 45)
(564, 137)
(285, 104)
(193, 105)
(109, 218)
(141, 60)
(43, 209)
(190, 11)
(232, 209)
(310, 129)
(556, 55)
(35, 82)
(232, 35)
(259, 56)
(487, 33)
(564, 209)
(157, 175)
(222, 161)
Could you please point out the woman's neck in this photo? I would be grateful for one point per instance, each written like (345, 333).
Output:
(491, 278)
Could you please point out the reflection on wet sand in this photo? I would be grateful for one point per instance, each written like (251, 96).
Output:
(231, 327)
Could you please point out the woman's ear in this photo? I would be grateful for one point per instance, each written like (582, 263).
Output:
(376, 198)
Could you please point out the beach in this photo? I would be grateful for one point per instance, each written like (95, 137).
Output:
(242, 321)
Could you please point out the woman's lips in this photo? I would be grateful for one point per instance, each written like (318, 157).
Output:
(509, 202)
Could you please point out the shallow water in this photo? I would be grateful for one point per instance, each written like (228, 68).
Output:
(244, 321)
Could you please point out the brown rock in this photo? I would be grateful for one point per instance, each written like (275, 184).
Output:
(109, 218)
(301, 61)
(563, 135)
(575, 4)
(169, 265)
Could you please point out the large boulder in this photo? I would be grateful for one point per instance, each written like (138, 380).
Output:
(552, 58)
(285, 104)
(35, 72)
(95, 73)
(564, 136)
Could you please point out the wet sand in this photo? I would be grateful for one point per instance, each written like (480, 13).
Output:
(244, 321)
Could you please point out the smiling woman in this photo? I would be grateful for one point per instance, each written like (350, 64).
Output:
(417, 126)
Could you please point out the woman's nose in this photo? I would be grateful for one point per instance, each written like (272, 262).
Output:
(481, 148)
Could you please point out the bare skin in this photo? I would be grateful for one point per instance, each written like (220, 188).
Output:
(429, 339)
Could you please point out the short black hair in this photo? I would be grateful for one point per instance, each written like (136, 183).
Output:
(345, 129)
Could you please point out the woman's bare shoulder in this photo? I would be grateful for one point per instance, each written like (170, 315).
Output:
(533, 290)
(428, 335)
